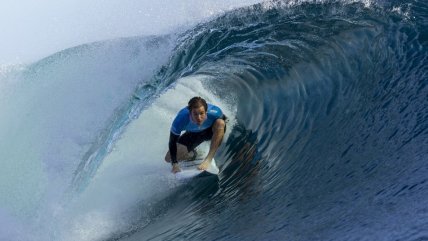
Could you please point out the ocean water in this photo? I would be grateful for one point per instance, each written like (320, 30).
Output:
(327, 138)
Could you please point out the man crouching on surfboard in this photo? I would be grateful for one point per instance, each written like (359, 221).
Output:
(202, 122)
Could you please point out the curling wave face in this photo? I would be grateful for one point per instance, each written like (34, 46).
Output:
(328, 140)
(331, 130)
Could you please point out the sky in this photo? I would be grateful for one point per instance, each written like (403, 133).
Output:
(31, 30)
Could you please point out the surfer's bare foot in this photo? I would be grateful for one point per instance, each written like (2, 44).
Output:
(176, 168)
(204, 165)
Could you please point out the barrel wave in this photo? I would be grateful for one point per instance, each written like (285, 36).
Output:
(327, 139)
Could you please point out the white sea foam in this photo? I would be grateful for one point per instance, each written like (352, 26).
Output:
(134, 171)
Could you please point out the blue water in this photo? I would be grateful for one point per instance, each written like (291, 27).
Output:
(327, 140)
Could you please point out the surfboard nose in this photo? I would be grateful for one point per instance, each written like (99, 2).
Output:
(213, 168)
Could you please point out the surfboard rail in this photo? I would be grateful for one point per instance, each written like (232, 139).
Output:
(189, 169)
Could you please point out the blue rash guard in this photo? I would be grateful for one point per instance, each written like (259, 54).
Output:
(183, 122)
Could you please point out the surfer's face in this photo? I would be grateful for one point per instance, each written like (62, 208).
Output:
(199, 115)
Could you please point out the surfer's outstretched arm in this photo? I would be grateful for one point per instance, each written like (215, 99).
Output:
(218, 133)
(171, 155)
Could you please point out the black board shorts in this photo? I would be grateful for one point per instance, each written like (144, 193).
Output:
(193, 139)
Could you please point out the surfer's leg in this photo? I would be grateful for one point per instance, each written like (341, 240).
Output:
(182, 153)
(186, 145)
(218, 130)
(193, 139)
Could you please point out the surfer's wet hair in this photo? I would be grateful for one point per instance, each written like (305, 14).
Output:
(196, 102)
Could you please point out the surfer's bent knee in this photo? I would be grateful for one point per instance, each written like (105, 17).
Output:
(168, 157)
(219, 124)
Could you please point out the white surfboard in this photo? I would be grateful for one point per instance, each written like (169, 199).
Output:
(189, 169)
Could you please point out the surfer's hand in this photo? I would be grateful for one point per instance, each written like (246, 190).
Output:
(204, 165)
(175, 168)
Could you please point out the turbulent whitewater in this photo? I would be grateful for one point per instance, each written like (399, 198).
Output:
(327, 138)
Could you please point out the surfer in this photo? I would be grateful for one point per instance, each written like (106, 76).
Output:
(201, 122)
